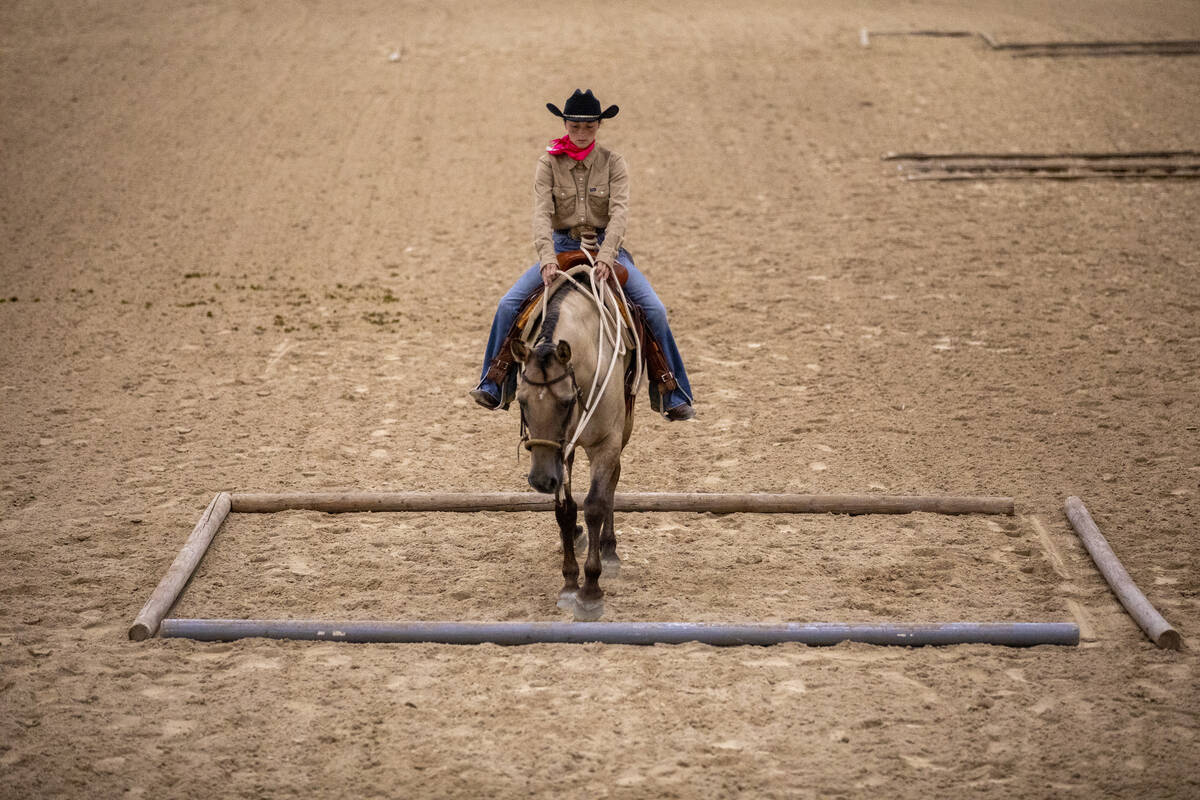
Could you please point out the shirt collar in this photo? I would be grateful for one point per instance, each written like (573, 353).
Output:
(591, 158)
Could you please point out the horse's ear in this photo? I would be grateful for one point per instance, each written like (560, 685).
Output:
(520, 350)
(563, 351)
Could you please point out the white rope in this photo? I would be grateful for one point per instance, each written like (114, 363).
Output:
(597, 298)
(610, 328)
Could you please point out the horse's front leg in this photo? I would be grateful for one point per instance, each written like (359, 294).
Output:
(566, 512)
(597, 510)
(609, 559)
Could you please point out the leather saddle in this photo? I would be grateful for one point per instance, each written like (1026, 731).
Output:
(502, 371)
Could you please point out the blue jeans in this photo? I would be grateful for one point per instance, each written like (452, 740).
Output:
(637, 289)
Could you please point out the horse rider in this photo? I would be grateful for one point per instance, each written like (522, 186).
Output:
(581, 196)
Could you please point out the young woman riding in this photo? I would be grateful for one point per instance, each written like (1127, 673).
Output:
(582, 189)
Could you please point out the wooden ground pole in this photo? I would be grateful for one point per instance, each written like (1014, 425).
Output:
(1146, 616)
(717, 503)
(147, 621)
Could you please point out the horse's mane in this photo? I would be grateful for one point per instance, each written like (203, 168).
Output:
(554, 306)
(571, 315)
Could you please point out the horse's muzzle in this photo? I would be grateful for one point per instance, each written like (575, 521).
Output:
(546, 474)
(545, 483)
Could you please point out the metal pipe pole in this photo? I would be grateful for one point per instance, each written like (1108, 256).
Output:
(1014, 634)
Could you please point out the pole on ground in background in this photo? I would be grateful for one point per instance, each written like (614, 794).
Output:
(164, 596)
(1146, 616)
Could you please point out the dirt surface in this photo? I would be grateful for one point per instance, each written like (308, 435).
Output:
(257, 247)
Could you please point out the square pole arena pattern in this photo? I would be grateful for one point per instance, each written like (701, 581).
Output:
(151, 619)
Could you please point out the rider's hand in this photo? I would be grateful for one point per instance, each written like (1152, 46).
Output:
(603, 270)
(549, 270)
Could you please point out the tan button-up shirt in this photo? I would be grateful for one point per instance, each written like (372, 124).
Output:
(593, 192)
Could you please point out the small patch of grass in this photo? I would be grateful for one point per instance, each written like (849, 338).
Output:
(378, 317)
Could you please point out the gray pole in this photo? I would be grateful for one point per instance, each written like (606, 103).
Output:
(1016, 634)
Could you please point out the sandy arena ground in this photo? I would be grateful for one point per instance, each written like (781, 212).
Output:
(245, 247)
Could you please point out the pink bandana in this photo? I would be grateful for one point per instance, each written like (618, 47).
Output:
(565, 146)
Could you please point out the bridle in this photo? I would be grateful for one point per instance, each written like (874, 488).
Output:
(610, 329)
(576, 399)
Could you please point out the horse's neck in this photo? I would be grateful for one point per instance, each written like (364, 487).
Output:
(579, 325)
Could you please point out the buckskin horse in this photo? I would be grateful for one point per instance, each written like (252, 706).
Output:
(571, 389)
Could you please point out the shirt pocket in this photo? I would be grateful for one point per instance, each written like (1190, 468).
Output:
(598, 200)
(565, 201)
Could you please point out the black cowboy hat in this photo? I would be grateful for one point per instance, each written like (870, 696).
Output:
(583, 107)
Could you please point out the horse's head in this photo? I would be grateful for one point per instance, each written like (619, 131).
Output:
(550, 404)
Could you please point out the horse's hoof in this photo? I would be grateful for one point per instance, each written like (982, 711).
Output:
(588, 610)
(566, 600)
(611, 567)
